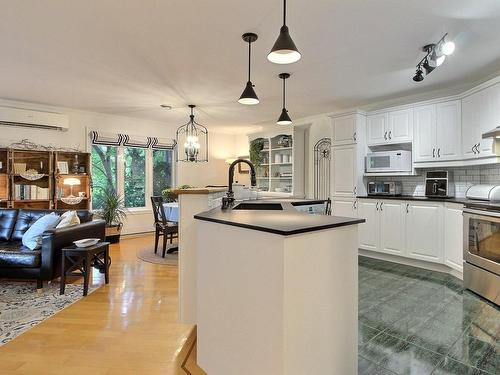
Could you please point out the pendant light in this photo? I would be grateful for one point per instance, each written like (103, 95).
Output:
(192, 141)
(284, 50)
(284, 118)
(249, 97)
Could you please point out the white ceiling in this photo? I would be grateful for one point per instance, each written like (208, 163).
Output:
(127, 57)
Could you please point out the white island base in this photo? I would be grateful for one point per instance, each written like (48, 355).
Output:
(270, 304)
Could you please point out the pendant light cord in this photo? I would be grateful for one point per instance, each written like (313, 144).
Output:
(284, 12)
(249, 58)
(284, 106)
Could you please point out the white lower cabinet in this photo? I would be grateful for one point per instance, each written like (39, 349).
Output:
(429, 231)
(345, 207)
(453, 236)
(424, 231)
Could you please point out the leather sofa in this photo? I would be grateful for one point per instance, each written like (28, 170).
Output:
(44, 264)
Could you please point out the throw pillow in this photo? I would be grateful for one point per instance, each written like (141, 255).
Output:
(68, 219)
(32, 238)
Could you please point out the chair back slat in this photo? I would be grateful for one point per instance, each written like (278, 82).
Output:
(159, 210)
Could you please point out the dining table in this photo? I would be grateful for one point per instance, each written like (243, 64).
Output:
(172, 215)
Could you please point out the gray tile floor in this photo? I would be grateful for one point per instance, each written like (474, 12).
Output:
(415, 321)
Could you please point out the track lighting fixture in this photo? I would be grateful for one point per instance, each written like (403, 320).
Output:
(249, 97)
(284, 118)
(284, 50)
(434, 57)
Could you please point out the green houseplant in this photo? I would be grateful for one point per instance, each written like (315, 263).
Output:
(113, 212)
(256, 146)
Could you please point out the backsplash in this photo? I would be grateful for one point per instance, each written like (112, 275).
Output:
(463, 178)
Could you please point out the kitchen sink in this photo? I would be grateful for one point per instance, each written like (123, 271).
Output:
(259, 206)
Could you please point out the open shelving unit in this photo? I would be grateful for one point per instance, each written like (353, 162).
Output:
(77, 167)
(4, 178)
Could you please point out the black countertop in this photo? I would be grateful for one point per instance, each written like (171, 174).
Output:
(284, 221)
(416, 198)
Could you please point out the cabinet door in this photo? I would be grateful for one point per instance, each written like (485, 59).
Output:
(344, 207)
(470, 132)
(392, 227)
(344, 171)
(369, 232)
(376, 126)
(453, 236)
(344, 130)
(490, 118)
(448, 130)
(424, 133)
(400, 126)
(424, 231)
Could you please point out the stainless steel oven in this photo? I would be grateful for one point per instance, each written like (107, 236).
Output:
(482, 251)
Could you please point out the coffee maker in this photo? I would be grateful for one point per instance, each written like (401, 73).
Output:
(438, 184)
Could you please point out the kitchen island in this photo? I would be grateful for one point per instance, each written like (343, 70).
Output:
(277, 291)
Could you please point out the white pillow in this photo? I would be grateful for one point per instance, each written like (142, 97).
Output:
(68, 219)
(32, 238)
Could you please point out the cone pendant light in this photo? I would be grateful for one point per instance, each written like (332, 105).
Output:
(249, 97)
(284, 118)
(284, 50)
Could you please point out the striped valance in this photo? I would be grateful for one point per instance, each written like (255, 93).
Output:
(111, 139)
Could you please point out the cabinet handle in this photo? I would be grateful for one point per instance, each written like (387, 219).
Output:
(407, 207)
(381, 205)
(385, 136)
(354, 136)
(390, 134)
(439, 152)
(354, 190)
(354, 205)
(474, 149)
(377, 206)
(433, 153)
(477, 148)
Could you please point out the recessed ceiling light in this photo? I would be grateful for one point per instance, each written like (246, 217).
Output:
(166, 106)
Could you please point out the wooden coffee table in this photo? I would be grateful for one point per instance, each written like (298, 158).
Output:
(80, 260)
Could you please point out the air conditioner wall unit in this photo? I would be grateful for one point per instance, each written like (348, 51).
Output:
(10, 116)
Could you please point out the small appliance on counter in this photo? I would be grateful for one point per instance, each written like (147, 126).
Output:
(392, 188)
(482, 241)
(438, 184)
(388, 161)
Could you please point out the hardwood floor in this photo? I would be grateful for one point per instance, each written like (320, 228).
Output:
(126, 327)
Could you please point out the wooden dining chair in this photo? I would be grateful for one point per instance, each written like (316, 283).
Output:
(162, 225)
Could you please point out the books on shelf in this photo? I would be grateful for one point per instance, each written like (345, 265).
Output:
(30, 192)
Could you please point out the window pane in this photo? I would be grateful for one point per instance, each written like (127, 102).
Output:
(135, 177)
(103, 172)
(162, 170)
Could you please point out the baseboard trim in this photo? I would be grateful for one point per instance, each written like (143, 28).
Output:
(411, 262)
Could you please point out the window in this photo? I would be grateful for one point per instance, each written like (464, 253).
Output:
(134, 176)
(104, 163)
(162, 170)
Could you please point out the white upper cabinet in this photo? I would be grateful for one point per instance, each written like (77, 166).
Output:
(390, 127)
(424, 228)
(344, 170)
(449, 130)
(437, 132)
(344, 130)
(376, 126)
(400, 128)
(480, 113)
(424, 133)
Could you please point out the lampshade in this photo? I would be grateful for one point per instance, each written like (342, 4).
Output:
(284, 50)
(71, 181)
(248, 96)
(284, 118)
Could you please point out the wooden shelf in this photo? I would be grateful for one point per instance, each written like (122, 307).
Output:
(281, 148)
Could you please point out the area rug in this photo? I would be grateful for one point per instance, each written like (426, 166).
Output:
(148, 255)
(22, 307)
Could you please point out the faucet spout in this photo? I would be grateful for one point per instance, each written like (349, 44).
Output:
(229, 200)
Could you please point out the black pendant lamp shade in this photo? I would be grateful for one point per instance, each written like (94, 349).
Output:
(284, 50)
(284, 118)
(192, 141)
(249, 97)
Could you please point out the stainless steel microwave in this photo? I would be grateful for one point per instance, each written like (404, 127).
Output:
(389, 161)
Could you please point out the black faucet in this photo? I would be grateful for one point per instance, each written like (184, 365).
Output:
(229, 200)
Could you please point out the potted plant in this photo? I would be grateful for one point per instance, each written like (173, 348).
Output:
(256, 146)
(113, 212)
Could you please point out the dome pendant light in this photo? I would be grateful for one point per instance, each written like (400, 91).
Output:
(284, 118)
(194, 137)
(284, 50)
(249, 97)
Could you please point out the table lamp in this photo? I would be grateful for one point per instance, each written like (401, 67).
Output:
(71, 181)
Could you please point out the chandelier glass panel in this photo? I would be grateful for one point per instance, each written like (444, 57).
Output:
(192, 141)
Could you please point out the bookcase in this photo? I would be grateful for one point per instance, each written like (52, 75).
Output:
(44, 179)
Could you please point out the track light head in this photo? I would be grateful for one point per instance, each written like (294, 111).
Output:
(447, 48)
(428, 67)
(419, 76)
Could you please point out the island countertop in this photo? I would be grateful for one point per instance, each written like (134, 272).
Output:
(281, 218)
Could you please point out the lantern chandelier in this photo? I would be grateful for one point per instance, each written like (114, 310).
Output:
(192, 141)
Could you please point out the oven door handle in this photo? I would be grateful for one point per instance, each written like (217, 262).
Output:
(481, 212)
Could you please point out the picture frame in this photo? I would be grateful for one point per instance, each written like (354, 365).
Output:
(63, 167)
(243, 168)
